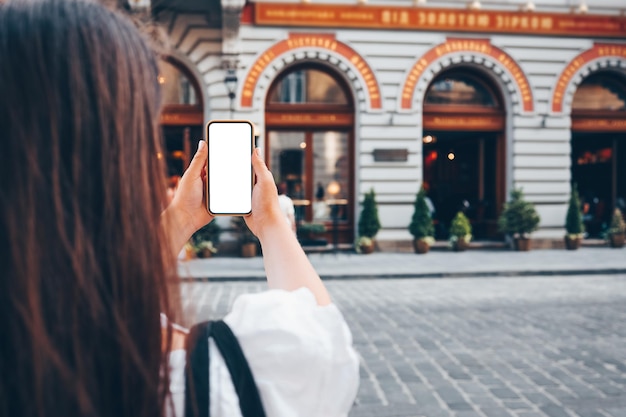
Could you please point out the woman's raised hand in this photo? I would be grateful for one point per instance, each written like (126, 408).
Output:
(266, 212)
(187, 212)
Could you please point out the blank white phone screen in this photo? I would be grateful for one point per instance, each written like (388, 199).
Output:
(230, 169)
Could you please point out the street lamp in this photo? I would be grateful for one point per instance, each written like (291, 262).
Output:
(231, 86)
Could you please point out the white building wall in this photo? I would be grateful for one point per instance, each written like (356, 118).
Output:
(538, 143)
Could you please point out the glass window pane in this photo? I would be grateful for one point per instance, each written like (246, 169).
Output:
(308, 86)
(459, 90)
(331, 174)
(287, 161)
(176, 87)
(600, 92)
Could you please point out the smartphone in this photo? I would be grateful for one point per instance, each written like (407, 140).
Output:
(229, 167)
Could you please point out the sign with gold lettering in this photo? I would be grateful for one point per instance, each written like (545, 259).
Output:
(457, 20)
(465, 123)
(599, 50)
(473, 46)
(595, 124)
(321, 41)
(308, 119)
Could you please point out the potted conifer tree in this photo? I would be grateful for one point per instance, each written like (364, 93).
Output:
(421, 226)
(369, 223)
(519, 219)
(460, 232)
(574, 225)
(617, 230)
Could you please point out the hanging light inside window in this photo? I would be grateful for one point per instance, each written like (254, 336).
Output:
(582, 8)
(428, 139)
(529, 6)
(302, 145)
(451, 156)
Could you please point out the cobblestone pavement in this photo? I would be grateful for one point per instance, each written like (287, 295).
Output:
(488, 347)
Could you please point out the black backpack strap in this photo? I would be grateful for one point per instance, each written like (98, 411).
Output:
(197, 394)
(249, 398)
(197, 400)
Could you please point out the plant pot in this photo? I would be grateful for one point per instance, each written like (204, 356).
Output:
(572, 243)
(367, 249)
(248, 250)
(420, 246)
(522, 244)
(460, 245)
(616, 240)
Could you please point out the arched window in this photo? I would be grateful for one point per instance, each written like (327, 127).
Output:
(182, 115)
(460, 88)
(601, 91)
(308, 86)
(309, 142)
(177, 87)
(463, 149)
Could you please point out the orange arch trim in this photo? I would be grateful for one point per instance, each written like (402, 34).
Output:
(599, 50)
(303, 40)
(480, 46)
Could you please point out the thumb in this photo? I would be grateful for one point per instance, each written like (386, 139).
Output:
(260, 169)
(198, 162)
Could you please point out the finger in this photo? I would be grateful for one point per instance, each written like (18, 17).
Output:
(198, 162)
(260, 169)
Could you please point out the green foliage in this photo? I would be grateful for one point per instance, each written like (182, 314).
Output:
(311, 228)
(519, 217)
(421, 225)
(245, 235)
(460, 227)
(369, 223)
(617, 223)
(574, 220)
(209, 233)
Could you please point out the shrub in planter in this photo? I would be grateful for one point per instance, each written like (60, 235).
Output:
(460, 232)
(369, 223)
(209, 233)
(364, 245)
(206, 239)
(309, 234)
(519, 219)
(205, 249)
(421, 226)
(574, 225)
(617, 231)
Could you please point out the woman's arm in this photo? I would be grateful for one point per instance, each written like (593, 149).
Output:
(286, 265)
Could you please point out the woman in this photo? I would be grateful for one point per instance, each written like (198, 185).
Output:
(87, 253)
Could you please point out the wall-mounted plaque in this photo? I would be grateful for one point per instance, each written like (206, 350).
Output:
(391, 155)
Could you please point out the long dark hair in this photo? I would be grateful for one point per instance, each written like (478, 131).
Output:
(83, 276)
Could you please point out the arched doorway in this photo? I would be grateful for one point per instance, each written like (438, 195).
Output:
(309, 142)
(182, 116)
(599, 147)
(463, 149)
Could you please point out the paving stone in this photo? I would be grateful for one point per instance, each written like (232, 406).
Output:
(476, 346)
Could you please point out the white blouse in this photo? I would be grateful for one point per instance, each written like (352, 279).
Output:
(300, 354)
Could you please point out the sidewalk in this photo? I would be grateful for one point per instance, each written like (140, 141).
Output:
(435, 264)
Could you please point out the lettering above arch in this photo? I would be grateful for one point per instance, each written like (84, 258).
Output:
(320, 41)
(605, 51)
(474, 48)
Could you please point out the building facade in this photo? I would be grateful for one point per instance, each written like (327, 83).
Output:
(470, 102)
